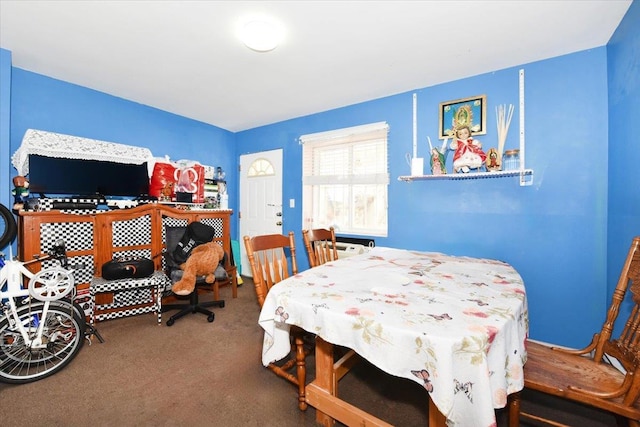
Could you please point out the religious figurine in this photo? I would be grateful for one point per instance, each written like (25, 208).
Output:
(493, 160)
(437, 162)
(468, 151)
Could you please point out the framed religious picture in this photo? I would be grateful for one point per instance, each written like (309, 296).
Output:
(471, 112)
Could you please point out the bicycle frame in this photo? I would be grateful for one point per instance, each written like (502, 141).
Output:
(12, 275)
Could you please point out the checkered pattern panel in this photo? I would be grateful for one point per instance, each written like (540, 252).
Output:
(85, 266)
(128, 293)
(46, 204)
(171, 222)
(136, 253)
(98, 284)
(82, 267)
(164, 261)
(132, 297)
(132, 232)
(129, 312)
(78, 236)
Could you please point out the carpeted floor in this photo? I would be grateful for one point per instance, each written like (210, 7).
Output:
(196, 373)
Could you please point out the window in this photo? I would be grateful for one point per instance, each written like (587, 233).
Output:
(261, 167)
(345, 180)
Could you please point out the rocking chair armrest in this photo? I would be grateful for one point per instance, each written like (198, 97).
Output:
(579, 352)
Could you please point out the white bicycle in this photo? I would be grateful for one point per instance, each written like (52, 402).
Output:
(41, 330)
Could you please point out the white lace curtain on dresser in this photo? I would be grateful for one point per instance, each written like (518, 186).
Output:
(51, 144)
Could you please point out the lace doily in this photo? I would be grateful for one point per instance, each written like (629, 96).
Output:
(52, 144)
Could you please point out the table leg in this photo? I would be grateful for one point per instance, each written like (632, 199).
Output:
(327, 381)
(322, 393)
(324, 376)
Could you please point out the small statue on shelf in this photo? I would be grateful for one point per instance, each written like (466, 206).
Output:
(220, 174)
(20, 192)
(493, 160)
(468, 151)
(437, 162)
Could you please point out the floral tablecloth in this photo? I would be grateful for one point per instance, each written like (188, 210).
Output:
(456, 325)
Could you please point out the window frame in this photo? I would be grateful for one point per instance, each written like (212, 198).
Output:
(320, 177)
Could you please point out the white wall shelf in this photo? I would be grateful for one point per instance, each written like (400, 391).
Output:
(526, 176)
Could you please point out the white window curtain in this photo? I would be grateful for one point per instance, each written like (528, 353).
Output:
(345, 179)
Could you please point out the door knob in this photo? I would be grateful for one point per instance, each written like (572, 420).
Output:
(279, 223)
(278, 213)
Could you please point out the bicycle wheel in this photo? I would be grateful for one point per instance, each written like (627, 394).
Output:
(8, 228)
(63, 337)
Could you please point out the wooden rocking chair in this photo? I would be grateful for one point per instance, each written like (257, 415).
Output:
(588, 376)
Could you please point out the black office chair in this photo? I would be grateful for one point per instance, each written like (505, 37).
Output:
(173, 236)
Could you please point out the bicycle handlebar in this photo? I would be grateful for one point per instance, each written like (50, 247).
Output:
(58, 251)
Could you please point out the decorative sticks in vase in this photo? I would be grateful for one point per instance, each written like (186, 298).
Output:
(503, 118)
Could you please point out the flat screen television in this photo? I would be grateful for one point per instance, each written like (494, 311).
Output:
(61, 176)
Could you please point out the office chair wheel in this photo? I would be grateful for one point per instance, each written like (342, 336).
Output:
(210, 318)
(170, 322)
(221, 304)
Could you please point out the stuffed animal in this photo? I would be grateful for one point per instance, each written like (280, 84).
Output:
(203, 261)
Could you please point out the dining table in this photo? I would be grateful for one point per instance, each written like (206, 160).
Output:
(457, 325)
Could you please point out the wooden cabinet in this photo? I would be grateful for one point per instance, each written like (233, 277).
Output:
(96, 237)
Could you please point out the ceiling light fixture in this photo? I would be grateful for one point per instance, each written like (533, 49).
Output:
(261, 35)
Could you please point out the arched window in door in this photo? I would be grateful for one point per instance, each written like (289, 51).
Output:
(260, 167)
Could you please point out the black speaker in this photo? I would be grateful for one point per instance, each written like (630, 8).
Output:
(184, 197)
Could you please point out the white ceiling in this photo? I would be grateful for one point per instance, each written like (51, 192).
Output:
(184, 56)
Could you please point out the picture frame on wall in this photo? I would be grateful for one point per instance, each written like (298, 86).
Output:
(470, 111)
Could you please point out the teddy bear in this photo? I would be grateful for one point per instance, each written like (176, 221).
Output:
(203, 261)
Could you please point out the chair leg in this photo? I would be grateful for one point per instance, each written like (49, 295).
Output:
(513, 405)
(194, 306)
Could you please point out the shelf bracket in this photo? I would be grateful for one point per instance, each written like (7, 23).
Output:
(526, 179)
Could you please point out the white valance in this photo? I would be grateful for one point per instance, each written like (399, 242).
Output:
(350, 134)
(51, 144)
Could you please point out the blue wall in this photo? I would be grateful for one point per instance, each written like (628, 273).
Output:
(540, 229)
(566, 234)
(623, 56)
(40, 102)
(5, 117)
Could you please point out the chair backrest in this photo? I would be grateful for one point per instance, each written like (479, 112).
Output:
(321, 245)
(173, 236)
(625, 348)
(272, 258)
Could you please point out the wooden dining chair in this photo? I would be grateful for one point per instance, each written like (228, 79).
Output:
(588, 376)
(321, 245)
(273, 258)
